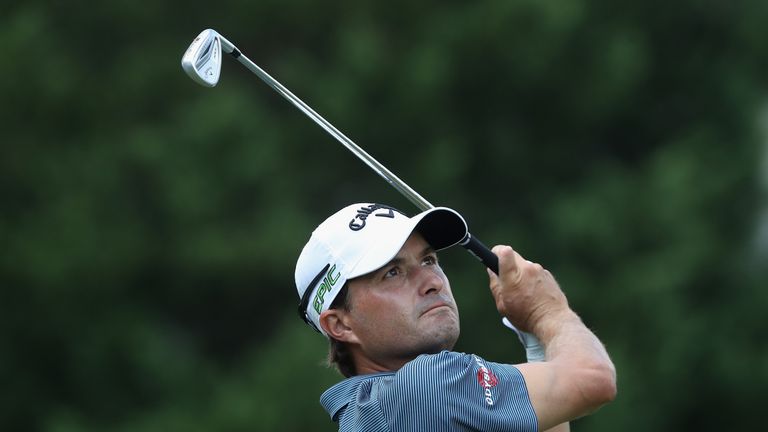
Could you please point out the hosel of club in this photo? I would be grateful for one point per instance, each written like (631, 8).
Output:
(470, 243)
(226, 45)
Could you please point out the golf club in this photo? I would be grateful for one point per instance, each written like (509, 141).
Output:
(202, 62)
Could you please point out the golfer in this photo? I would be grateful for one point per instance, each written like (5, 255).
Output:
(369, 279)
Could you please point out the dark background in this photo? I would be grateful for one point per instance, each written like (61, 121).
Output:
(150, 226)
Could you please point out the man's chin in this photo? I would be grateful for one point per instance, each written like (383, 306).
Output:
(441, 337)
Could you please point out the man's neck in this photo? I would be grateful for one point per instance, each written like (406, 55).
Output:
(365, 365)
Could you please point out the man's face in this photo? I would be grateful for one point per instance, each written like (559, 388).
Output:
(403, 309)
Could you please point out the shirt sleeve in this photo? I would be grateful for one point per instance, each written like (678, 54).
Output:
(454, 391)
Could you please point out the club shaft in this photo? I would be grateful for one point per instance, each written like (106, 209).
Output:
(380, 169)
(472, 244)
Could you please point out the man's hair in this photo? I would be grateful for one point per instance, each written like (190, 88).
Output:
(338, 352)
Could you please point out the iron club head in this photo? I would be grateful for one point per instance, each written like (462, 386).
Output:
(202, 60)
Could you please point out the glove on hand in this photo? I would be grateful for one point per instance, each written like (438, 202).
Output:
(534, 352)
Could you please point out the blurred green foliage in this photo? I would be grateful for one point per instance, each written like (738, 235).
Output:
(150, 226)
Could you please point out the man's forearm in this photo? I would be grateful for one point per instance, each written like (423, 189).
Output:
(562, 427)
(569, 342)
(577, 376)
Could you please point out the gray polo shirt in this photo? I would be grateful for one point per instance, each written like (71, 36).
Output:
(448, 391)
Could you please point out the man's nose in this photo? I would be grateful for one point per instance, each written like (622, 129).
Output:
(428, 279)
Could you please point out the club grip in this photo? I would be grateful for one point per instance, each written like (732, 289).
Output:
(481, 252)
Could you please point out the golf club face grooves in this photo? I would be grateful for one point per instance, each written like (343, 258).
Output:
(202, 60)
(205, 56)
(191, 59)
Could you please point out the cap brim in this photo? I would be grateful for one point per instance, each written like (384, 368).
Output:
(441, 227)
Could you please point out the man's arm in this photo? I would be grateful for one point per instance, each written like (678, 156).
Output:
(562, 427)
(578, 376)
(534, 353)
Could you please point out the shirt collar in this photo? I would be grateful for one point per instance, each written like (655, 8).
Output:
(342, 393)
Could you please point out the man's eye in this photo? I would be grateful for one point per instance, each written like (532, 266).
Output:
(430, 260)
(394, 271)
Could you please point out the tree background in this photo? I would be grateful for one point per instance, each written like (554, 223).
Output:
(150, 226)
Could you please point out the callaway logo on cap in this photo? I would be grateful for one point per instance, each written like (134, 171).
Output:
(359, 239)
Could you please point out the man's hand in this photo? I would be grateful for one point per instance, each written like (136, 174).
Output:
(524, 292)
(577, 376)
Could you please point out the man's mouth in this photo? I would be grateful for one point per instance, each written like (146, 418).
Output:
(436, 306)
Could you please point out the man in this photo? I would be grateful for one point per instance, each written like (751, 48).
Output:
(370, 281)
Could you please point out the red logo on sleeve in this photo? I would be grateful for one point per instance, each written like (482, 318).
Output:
(486, 379)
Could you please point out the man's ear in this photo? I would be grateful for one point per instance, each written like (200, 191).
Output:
(335, 323)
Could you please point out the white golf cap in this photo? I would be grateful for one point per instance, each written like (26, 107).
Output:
(359, 239)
